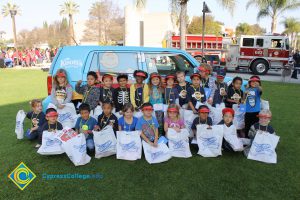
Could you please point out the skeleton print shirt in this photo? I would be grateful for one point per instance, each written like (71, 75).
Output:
(121, 97)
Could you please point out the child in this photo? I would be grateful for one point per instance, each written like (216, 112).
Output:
(220, 88)
(206, 82)
(139, 92)
(122, 93)
(252, 101)
(171, 93)
(85, 124)
(234, 94)
(148, 125)
(37, 118)
(182, 89)
(61, 92)
(195, 93)
(228, 115)
(127, 122)
(90, 92)
(261, 126)
(107, 118)
(106, 92)
(52, 125)
(203, 118)
(173, 119)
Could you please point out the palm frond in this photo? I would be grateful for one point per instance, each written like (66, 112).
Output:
(263, 13)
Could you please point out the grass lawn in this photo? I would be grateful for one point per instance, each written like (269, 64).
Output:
(230, 176)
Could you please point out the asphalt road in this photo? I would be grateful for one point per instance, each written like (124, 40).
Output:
(270, 76)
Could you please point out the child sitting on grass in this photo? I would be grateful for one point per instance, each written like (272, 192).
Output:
(107, 118)
(148, 125)
(173, 119)
(203, 118)
(37, 119)
(85, 124)
(90, 92)
(52, 125)
(127, 122)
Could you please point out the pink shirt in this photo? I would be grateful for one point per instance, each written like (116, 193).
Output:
(171, 124)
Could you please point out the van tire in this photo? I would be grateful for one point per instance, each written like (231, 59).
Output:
(260, 67)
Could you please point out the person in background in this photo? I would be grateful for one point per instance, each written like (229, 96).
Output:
(296, 58)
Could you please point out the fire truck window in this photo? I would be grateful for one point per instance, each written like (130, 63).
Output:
(277, 43)
(259, 42)
(287, 45)
(167, 63)
(248, 42)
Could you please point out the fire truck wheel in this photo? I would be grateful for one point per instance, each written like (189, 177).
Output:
(260, 67)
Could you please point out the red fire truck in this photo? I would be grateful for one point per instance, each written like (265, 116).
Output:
(259, 53)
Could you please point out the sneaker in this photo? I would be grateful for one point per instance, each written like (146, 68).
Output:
(37, 146)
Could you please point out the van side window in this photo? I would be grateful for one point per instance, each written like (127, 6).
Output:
(117, 62)
(259, 42)
(166, 63)
(94, 63)
(248, 42)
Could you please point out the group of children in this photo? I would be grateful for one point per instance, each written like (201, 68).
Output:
(145, 98)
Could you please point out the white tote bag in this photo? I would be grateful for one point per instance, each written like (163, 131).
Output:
(129, 145)
(19, 129)
(189, 117)
(263, 147)
(51, 144)
(230, 135)
(239, 116)
(105, 142)
(158, 154)
(264, 105)
(209, 140)
(75, 149)
(67, 116)
(179, 143)
(138, 114)
(216, 113)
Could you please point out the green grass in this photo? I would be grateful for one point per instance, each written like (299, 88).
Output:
(230, 176)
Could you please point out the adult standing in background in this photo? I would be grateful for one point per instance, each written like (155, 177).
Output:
(296, 58)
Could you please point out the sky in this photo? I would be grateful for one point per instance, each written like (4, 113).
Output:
(35, 12)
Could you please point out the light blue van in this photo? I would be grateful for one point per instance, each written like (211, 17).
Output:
(79, 60)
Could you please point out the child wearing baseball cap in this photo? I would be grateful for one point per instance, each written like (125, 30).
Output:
(148, 125)
(202, 118)
(106, 91)
(171, 93)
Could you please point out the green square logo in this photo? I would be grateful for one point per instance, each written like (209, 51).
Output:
(22, 176)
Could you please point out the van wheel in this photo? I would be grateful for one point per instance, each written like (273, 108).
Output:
(260, 67)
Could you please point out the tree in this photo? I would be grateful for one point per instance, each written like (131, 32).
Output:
(292, 29)
(105, 23)
(12, 10)
(70, 8)
(212, 26)
(247, 29)
(140, 4)
(273, 9)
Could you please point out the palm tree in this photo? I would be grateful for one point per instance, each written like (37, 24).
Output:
(70, 8)
(140, 4)
(12, 10)
(273, 9)
(292, 28)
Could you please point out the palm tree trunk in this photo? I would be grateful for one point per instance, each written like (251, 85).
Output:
(71, 30)
(274, 24)
(14, 30)
(183, 13)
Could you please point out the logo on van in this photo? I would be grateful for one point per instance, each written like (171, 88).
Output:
(109, 60)
(68, 62)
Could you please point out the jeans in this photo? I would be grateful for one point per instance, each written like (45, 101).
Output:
(90, 143)
(31, 136)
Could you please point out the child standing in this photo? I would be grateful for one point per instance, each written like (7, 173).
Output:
(182, 89)
(173, 119)
(127, 122)
(61, 92)
(195, 93)
(220, 88)
(203, 118)
(122, 93)
(106, 92)
(37, 118)
(90, 92)
(207, 83)
(252, 101)
(52, 125)
(86, 124)
(261, 126)
(148, 125)
(171, 93)
(235, 94)
(139, 92)
(107, 118)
